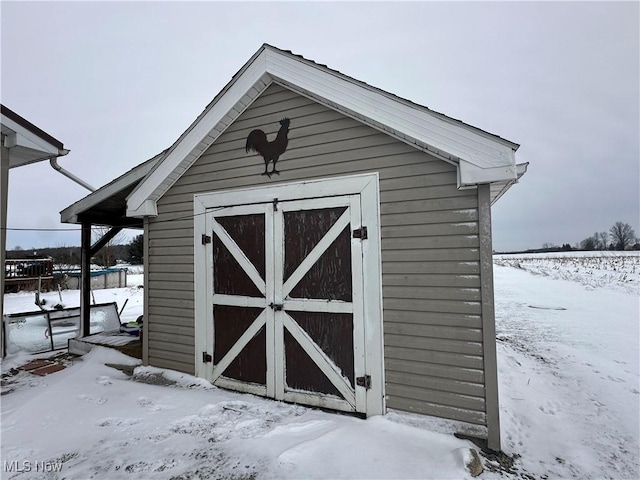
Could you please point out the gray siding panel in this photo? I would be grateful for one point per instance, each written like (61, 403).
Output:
(430, 249)
(411, 405)
(432, 370)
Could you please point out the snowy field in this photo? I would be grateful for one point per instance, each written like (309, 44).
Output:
(568, 355)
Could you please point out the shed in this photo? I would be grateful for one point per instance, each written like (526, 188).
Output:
(357, 277)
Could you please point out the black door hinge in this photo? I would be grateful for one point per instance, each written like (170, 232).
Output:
(206, 239)
(206, 358)
(360, 233)
(364, 381)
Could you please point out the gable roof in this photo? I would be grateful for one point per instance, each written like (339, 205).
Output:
(481, 157)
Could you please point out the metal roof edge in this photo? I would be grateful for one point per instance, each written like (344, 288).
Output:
(26, 124)
(393, 96)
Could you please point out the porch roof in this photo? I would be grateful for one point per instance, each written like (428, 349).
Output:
(107, 205)
(28, 143)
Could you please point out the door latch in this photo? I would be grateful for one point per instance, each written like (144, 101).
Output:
(364, 381)
(361, 233)
(276, 306)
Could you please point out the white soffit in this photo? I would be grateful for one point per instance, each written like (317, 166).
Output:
(481, 157)
(30, 146)
(70, 214)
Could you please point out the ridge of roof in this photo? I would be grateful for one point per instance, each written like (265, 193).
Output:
(514, 145)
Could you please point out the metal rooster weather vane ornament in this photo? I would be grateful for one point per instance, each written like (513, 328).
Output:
(270, 151)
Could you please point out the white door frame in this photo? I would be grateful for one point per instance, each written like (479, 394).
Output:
(367, 187)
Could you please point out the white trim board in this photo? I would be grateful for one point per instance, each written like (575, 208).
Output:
(481, 157)
(19, 137)
(70, 214)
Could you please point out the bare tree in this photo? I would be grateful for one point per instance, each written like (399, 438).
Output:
(622, 235)
(105, 255)
(65, 255)
(588, 243)
(601, 240)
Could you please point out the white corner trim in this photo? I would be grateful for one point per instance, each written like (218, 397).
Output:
(471, 175)
(148, 208)
(522, 168)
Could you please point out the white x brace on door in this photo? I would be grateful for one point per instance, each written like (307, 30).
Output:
(288, 292)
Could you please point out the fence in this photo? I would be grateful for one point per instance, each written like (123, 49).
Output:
(108, 278)
(27, 274)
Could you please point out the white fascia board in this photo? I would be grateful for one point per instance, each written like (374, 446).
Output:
(148, 208)
(296, 190)
(24, 138)
(70, 214)
(500, 188)
(462, 142)
(451, 139)
(137, 202)
(521, 169)
(471, 175)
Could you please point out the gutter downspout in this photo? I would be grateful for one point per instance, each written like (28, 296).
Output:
(54, 163)
(85, 253)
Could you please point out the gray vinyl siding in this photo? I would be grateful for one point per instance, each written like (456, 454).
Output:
(430, 249)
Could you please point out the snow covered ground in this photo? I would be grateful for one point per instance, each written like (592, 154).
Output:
(569, 390)
(568, 357)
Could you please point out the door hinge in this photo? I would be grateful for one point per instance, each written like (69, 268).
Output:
(206, 238)
(360, 233)
(364, 381)
(206, 357)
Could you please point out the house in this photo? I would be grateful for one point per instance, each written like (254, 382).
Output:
(22, 144)
(358, 278)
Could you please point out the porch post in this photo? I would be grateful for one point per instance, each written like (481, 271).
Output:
(85, 278)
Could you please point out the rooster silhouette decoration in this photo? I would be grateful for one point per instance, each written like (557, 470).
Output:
(270, 151)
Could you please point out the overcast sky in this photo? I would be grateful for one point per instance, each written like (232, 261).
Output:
(119, 82)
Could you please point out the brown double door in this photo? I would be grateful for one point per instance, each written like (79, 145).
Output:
(287, 301)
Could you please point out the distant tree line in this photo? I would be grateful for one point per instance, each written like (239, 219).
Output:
(619, 237)
(108, 256)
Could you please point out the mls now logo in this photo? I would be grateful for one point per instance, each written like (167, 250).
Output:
(28, 466)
